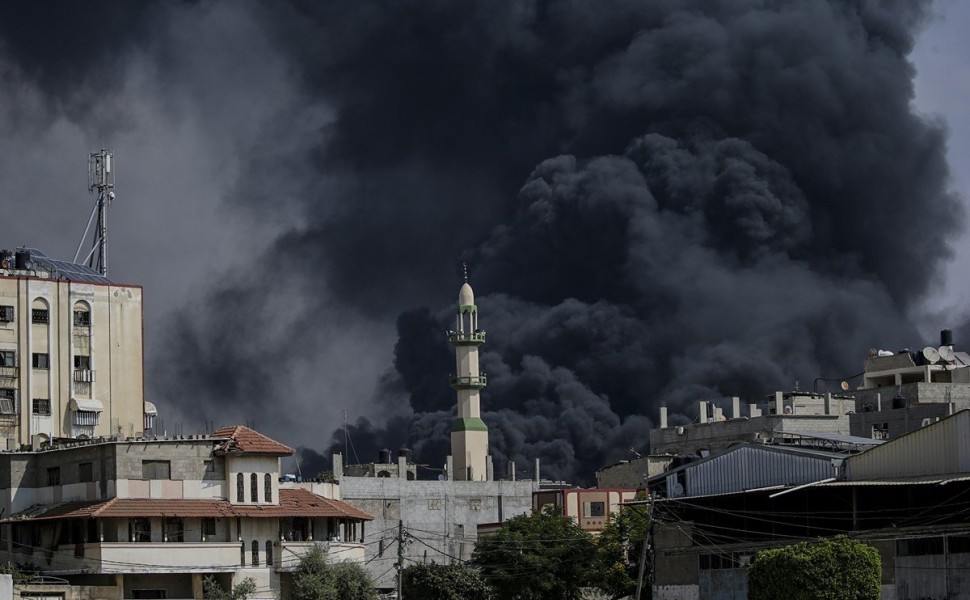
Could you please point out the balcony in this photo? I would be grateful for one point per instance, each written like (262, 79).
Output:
(83, 376)
(146, 557)
(468, 383)
(458, 338)
(9, 372)
(291, 552)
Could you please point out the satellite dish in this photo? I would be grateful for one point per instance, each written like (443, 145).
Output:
(931, 354)
(946, 353)
(845, 386)
(441, 477)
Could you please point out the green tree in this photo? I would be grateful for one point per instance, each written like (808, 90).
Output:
(316, 579)
(836, 568)
(211, 590)
(444, 582)
(541, 556)
(619, 546)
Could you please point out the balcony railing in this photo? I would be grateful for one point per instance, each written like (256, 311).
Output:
(468, 383)
(9, 372)
(83, 376)
(459, 338)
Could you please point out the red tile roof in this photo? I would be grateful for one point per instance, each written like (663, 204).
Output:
(293, 503)
(244, 440)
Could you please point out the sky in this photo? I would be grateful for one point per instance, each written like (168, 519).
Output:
(666, 202)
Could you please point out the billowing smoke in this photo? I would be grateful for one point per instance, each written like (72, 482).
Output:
(660, 201)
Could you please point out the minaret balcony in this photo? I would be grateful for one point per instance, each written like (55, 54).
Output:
(461, 338)
(468, 383)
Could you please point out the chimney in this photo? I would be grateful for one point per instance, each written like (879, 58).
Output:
(538, 479)
(779, 403)
(735, 407)
(703, 410)
(753, 410)
(338, 466)
(718, 413)
(512, 470)
(663, 416)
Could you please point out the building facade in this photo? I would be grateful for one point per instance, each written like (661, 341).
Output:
(152, 518)
(71, 353)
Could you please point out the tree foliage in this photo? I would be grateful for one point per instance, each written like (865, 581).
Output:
(316, 579)
(541, 556)
(619, 546)
(836, 568)
(211, 590)
(444, 582)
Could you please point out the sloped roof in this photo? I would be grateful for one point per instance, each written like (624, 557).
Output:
(243, 440)
(293, 503)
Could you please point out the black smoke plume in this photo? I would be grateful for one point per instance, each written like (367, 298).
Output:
(661, 201)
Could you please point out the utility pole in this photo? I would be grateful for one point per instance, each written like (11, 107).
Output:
(400, 555)
(646, 548)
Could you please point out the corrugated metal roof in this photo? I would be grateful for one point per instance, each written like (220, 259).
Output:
(926, 480)
(753, 467)
(942, 447)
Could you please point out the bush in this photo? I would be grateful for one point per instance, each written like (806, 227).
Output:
(316, 579)
(831, 569)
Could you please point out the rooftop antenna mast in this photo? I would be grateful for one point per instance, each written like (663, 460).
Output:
(101, 180)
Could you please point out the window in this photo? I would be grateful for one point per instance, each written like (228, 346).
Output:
(8, 401)
(434, 504)
(53, 476)
(208, 527)
(41, 361)
(253, 488)
(880, 431)
(82, 318)
(85, 472)
(268, 487)
(255, 553)
(6, 314)
(240, 488)
(174, 529)
(82, 362)
(269, 553)
(149, 594)
(475, 504)
(8, 358)
(40, 315)
(919, 546)
(86, 417)
(140, 529)
(594, 509)
(41, 406)
(156, 469)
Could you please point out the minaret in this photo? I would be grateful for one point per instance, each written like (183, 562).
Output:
(469, 435)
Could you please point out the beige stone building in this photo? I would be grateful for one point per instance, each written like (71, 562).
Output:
(71, 353)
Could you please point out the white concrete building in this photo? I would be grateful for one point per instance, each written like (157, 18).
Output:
(152, 518)
(71, 357)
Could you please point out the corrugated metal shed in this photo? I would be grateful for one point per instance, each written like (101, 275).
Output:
(753, 466)
(940, 448)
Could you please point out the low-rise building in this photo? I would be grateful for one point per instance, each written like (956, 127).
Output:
(152, 518)
(590, 508)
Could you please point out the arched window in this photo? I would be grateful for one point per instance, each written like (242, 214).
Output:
(82, 316)
(240, 490)
(269, 553)
(268, 492)
(255, 553)
(40, 312)
(254, 488)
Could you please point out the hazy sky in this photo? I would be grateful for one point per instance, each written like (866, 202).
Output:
(667, 201)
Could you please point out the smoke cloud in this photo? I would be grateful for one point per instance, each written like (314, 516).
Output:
(661, 202)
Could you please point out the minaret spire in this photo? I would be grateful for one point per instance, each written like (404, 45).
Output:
(469, 434)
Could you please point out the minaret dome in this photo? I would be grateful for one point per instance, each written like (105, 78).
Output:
(466, 297)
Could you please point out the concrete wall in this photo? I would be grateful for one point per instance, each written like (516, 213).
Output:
(444, 515)
(719, 435)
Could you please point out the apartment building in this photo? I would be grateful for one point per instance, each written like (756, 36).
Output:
(71, 355)
(151, 518)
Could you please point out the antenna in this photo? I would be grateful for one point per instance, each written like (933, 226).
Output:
(464, 270)
(101, 179)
